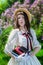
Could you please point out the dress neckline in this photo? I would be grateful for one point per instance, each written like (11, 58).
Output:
(22, 31)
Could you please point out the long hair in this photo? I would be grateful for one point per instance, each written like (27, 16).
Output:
(27, 23)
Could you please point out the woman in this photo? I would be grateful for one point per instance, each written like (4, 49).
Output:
(25, 36)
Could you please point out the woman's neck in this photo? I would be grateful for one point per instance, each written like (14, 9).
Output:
(23, 29)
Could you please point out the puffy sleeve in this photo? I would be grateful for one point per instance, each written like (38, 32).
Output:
(35, 41)
(12, 41)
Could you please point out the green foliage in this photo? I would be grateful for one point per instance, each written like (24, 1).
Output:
(3, 37)
(39, 31)
(3, 5)
(4, 59)
(38, 28)
(32, 1)
(21, 1)
(10, 2)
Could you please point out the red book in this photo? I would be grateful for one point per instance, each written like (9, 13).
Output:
(19, 50)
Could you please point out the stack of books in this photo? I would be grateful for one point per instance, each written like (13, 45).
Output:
(19, 51)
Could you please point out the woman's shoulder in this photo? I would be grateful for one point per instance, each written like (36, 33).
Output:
(32, 30)
(14, 30)
(33, 33)
(13, 33)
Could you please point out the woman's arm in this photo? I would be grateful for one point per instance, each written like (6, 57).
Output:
(35, 51)
(12, 40)
(36, 45)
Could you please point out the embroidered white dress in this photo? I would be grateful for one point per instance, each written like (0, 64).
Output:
(16, 38)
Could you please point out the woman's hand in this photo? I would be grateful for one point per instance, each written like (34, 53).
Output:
(35, 51)
(31, 53)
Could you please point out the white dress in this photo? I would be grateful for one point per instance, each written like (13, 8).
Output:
(16, 38)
